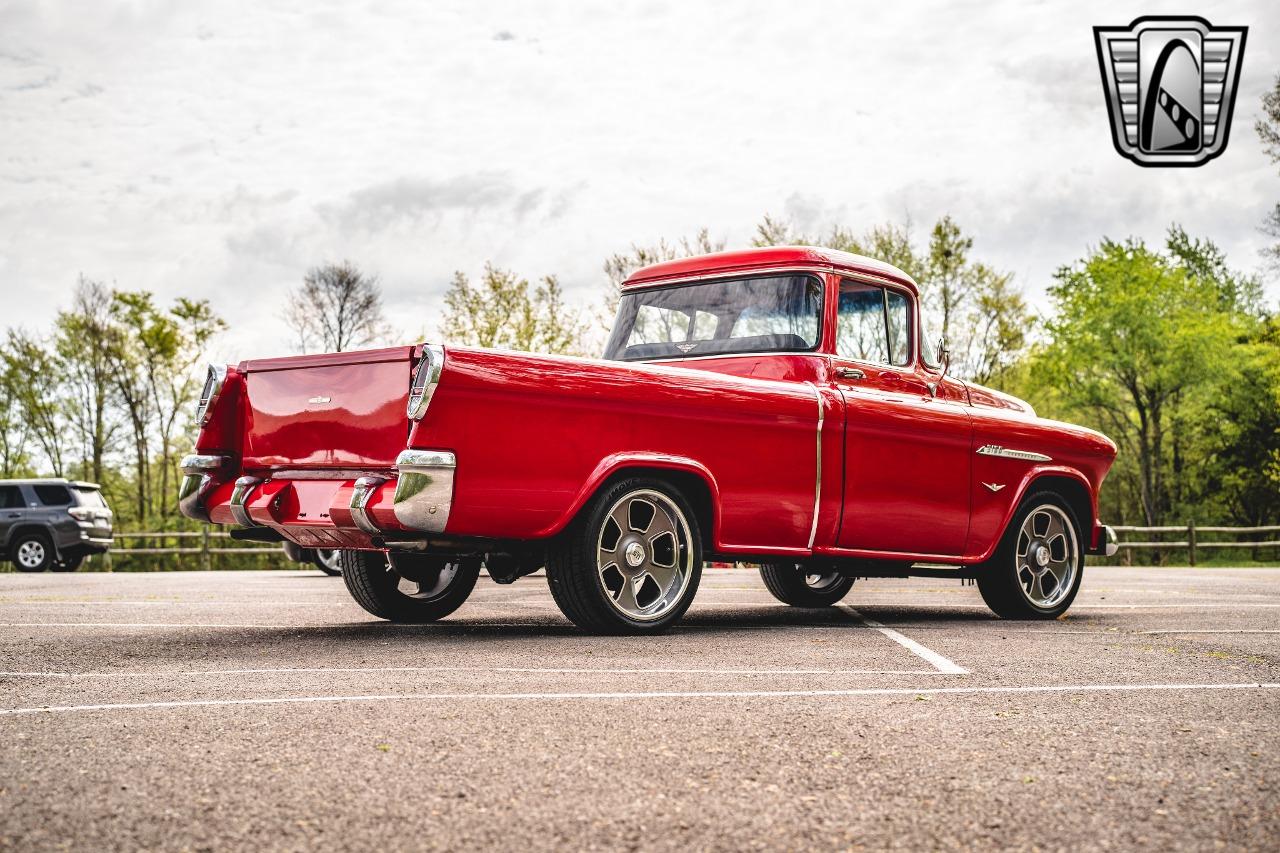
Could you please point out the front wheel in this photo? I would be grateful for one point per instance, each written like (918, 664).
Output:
(1036, 570)
(630, 564)
(417, 589)
(793, 584)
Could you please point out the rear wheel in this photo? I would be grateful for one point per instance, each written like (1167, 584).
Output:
(793, 584)
(1037, 568)
(327, 561)
(31, 552)
(631, 562)
(418, 589)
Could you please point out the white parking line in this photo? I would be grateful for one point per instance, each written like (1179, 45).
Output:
(934, 659)
(471, 669)
(684, 694)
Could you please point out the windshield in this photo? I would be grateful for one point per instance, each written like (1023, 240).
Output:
(772, 314)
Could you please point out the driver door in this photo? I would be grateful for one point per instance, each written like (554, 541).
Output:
(907, 454)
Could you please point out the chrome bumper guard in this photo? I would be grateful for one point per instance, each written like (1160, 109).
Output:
(424, 489)
(239, 496)
(1109, 544)
(197, 477)
(360, 495)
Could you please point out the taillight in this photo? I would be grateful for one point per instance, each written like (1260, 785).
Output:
(81, 513)
(425, 380)
(213, 383)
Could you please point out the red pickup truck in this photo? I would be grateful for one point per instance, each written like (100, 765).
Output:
(780, 406)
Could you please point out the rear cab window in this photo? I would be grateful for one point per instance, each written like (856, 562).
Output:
(773, 313)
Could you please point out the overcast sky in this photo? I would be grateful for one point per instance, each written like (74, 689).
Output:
(217, 150)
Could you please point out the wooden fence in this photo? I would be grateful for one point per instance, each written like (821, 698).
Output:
(1191, 540)
(206, 543)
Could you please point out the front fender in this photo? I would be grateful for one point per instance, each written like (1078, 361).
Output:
(992, 513)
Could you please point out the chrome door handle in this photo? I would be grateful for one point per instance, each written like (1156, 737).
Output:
(850, 373)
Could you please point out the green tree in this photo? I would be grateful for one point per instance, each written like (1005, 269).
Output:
(86, 340)
(1268, 128)
(503, 310)
(979, 311)
(14, 429)
(34, 373)
(619, 266)
(1241, 468)
(1139, 342)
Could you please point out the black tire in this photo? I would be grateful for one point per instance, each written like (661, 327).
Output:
(378, 589)
(610, 599)
(1020, 588)
(327, 561)
(69, 564)
(791, 584)
(31, 552)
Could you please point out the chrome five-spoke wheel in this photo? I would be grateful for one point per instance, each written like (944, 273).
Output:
(1036, 570)
(630, 563)
(643, 556)
(1047, 555)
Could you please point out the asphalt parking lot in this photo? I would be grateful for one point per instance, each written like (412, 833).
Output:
(265, 709)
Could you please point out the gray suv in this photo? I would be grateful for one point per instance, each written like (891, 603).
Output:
(52, 524)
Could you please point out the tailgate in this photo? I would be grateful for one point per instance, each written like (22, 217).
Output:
(340, 410)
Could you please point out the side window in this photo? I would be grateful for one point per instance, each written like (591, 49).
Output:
(874, 324)
(10, 497)
(897, 311)
(53, 495)
(860, 329)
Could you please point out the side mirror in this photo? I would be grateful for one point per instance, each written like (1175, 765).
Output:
(944, 358)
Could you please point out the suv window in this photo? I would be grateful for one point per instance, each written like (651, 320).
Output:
(53, 495)
(90, 497)
(873, 324)
(11, 497)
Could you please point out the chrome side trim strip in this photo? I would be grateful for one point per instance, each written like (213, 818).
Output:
(1009, 453)
(243, 490)
(424, 489)
(360, 496)
(817, 480)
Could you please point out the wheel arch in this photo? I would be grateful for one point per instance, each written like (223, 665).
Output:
(1074, 488)
(694, 481)
(20, 530)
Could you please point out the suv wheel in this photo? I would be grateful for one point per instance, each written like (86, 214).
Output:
(418, 589)
(32, 552)
(630, 564)
(1036, 571)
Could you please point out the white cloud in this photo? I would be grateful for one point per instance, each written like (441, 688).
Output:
(219, 150)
